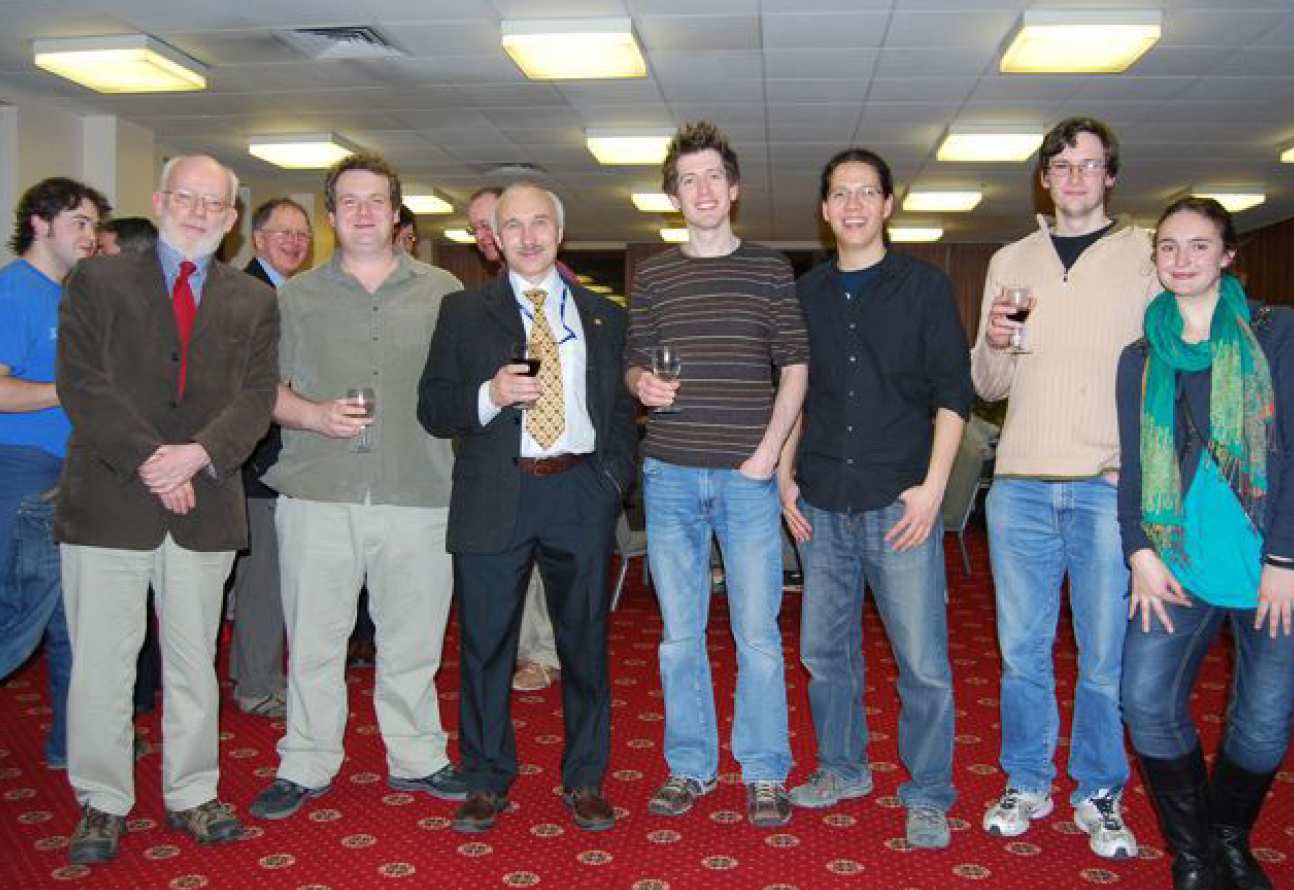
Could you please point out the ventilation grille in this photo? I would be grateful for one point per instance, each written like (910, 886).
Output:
(325, 44)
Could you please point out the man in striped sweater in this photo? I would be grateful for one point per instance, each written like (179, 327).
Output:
(730, 310)
(1052, 510)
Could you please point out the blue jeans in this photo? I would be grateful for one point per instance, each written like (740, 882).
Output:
(1159, 672)
(846, 554)
(685, 506)
(1038, 532)
(31, 595)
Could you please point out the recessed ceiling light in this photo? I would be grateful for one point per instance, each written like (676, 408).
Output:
(1081, 41)
(914, 234)
(301, 151)
(459, 236)
(988, 144)
(122, 63)
(671, 235)
(1287, 156)
(941, 202)
(615, 147)
(427, 203)
(653, 202)
(1234, 202)
(574, 49)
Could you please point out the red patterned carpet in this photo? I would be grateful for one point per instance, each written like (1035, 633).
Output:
(364, 836)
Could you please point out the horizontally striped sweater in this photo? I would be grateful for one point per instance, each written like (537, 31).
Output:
(732, 318)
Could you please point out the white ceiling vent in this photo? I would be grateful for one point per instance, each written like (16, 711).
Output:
(327, 44)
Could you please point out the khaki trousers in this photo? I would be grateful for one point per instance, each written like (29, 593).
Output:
(105, 594)
(326, 550)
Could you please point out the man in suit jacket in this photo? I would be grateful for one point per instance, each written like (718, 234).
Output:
(281, 233)
(543, 461)
(167, 366)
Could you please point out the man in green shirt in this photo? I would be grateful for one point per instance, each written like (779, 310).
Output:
(358, 507)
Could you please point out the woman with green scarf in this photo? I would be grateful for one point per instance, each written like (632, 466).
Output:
(1206, 510)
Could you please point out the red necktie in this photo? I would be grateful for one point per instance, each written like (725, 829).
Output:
(185, 309)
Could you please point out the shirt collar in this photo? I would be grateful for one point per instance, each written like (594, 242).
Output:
(276, 277)
(171, 257)
(552, 283)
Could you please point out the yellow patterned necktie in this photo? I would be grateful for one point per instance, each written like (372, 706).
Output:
(547, 416)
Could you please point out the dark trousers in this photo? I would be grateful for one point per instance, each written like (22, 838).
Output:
(564, 525)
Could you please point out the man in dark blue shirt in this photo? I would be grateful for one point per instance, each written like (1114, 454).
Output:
(889, 392)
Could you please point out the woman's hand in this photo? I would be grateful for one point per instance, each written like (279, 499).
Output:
(1275, 599)
(1152, 586)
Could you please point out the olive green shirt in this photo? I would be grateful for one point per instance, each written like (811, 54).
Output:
(337, 336)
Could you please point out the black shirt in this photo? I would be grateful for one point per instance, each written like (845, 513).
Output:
(1070, 247)
(880, 364)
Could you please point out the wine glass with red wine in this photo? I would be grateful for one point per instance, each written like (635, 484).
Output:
(1020, 298)
(520, 355)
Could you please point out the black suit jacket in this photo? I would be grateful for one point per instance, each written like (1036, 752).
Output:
(118, 364)
(267, 450)
(472, 340)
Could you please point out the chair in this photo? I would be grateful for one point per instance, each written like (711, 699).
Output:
(630, 543)
(971, 473)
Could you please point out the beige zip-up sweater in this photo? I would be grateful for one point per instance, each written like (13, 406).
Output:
(1061, 421)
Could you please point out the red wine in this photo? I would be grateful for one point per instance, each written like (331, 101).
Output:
(531, 363)
(1022, 314)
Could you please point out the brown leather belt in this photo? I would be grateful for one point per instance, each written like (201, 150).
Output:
(549, 466)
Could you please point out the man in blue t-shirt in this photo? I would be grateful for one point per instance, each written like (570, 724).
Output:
(54, 227)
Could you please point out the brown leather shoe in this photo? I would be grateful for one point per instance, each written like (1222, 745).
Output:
(478, 812)
(589, 807)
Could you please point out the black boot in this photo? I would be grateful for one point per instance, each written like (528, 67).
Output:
(1236, 795)
(1179, 790)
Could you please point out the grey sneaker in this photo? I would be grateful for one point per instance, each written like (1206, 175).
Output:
(767, 804)
(678, 794)
(283, 798)
(272, 707)
(927, 828)
(1014, 810)
(1101, 816)
(96, 837)
(446, 783)
(212, 822)
(824, 789)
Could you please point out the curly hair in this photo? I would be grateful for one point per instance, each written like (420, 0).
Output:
(47, 199)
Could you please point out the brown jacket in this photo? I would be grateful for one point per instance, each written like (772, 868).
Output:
(118, 360)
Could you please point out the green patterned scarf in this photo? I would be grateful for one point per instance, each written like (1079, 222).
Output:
(1240, 409)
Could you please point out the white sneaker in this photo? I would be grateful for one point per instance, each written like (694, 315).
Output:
(1101, 816)
(1014, 810)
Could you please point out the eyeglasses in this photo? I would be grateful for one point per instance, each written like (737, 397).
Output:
(187, 201)
(373, 203)
(1088, 167)
(288, 234)
(862, 193)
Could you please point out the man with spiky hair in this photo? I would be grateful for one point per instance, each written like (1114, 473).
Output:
(729, 310)
(364, 497)
(54, 227)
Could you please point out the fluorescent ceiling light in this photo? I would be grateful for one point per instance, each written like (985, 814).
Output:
(628, 146)
(914, 234)
(600, 289)
(429, 203)
(301, 151)
(1234, 202)
(574, 49)
(941, 202)
(1081, 41)
(653, 202)
(988, 144)
(123, 63)
(1287, 156)
(674, 235)
(459, 236)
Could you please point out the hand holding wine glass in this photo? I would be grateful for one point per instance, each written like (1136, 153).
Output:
(667, 365)
(519, 354)
(365, 401)
(1020, 300)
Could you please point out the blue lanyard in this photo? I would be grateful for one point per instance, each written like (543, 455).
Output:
(561, 314)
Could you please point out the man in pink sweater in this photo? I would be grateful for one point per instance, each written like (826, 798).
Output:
(1052, 508)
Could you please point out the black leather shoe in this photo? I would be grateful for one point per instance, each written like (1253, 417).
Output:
(1237, 796)
(478, 812)
(1179, 790)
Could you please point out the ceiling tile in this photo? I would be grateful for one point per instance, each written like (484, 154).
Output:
(698, 33)
(920, 89)
(822, 31)
(907, 62)
(983, 29)
(819, 63)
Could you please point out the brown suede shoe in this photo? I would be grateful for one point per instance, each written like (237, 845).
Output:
(589, 807)
(213, 822)
(478, 812)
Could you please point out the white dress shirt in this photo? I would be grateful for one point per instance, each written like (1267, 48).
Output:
(578, 436)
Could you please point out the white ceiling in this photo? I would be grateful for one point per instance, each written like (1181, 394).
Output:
(791, 82)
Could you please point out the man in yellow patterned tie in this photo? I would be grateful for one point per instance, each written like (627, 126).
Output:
(542, 463)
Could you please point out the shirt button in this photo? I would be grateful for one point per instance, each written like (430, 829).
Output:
(851, 393)
(853, 358)
(852, 325)
(849, 429)
(849, 461)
